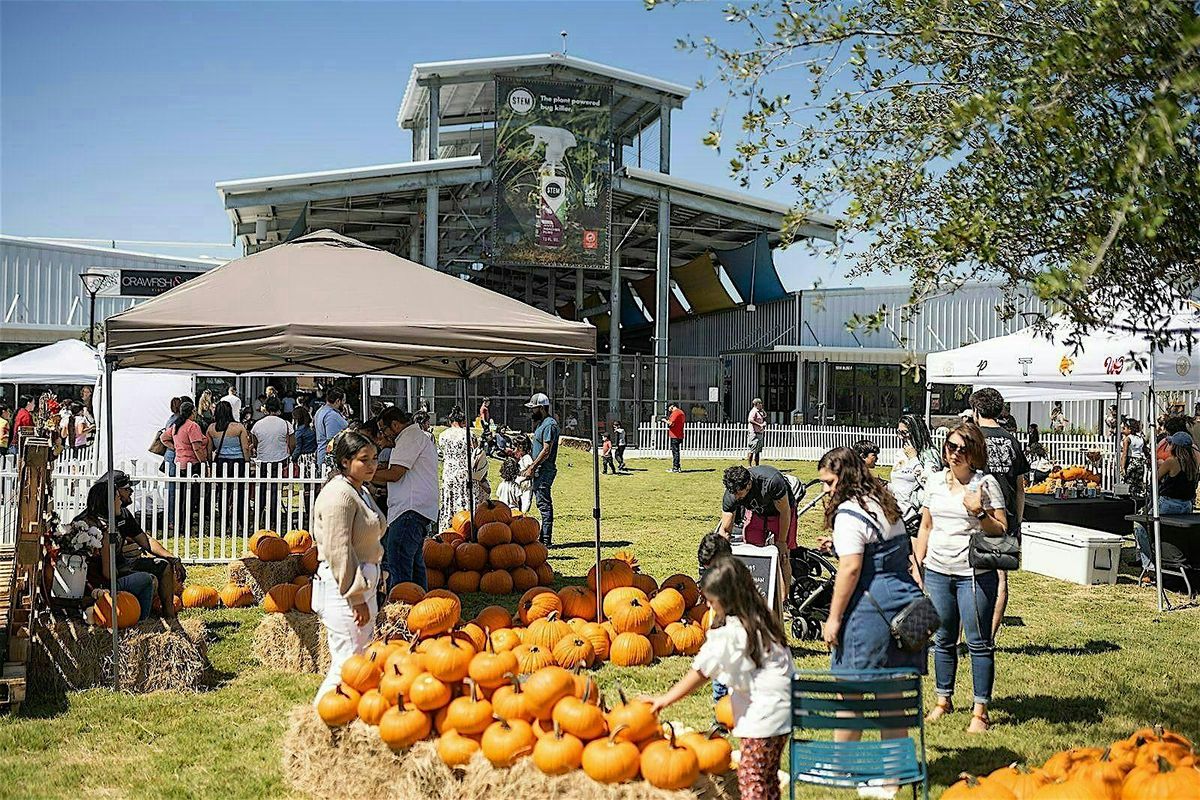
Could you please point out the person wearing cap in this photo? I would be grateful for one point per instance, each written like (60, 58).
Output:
(138, 552)
(1177, 475)
(675, 422)
(545, 456)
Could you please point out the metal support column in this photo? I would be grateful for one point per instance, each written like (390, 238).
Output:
(596, 489)
(662, 302)
(579, 308)
(111, 501)
(551, 303)
(431, 192)
(614, 339)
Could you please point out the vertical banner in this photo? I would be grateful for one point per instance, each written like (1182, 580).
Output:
(553, 174)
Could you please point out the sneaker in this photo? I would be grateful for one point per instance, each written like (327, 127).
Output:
(878, 792)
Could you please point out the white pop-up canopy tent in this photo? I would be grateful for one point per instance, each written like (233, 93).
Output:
(1097, 365)
(69, 361)
(328, 303)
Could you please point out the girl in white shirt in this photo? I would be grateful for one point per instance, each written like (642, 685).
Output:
(745, 650)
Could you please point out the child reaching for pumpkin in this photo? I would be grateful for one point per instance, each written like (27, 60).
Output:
(746, 650)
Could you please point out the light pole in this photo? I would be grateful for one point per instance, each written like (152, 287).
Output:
(93, 284)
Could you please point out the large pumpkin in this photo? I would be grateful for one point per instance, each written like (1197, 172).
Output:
(537, 603)
(200, 597)
(448, 660)
(547, 631)
(507, 740)
(302, 602)
(613, 575)
(578, 601)
(525, 530)
(687, 636)
(493, 534)
(523, 578)
(634, 719)
(434, 615)
(685, 586)
(493, 618)
(406, 592)
(611, 759)
(669, 765)
(668, 606)
(536, 554)
(496, 581)
(633, 616)
(235, 596)
(280, 599)
(598, 636)
(510, 701)
(338, 706)
(506, 556)
(631, 650)
(463, 582)
(558, 753)
(437, 554)
(622, 595)
(470, 555)
(712, 751)
(298, 541)
(272, 548)
(401, 728)
(129, 611)
(573, 651)
(492, 511)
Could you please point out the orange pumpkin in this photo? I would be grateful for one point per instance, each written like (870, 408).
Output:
(545, 574)
(129, 611)
(537, 603)
(258, 536)
(547, 631)
(309, 561)
(660, 643)
(558, 753)
(510, 701)
(401, 728)
(200, 597)
(973, 788)
(496, 581)
(470, 556)
(489, 668)
(494, 534)
(399, 675)
(1060, 765)
(724, 712)
(504, 639)
(712, 751)
(578, 601)
(470, 714)
(574, 651)
(372, 706)
(302, 602)
(668, 606)
(524, 579)
(1019, 780)
(685, 586)
(460, 523)
(272, 548)
(463, 582)
(525, 530)
(476, 634)
(1161, 781)
(598, 636)
(635, 719)
(298, 541)
(492, 511)
(493, 618)
(506, 556)
(633, 616)
(667, 764)
(1104, 775)
(338, 706)
(428, 693)
(622, 595)
(687, 637)
(234, 596)
(645, 582)
(536, 554)
(302, 580)
(454, 749)
(434, 615)
(361, 673)
(437, 555)
(546, 686)
(580, 717)
(613, 575)
(406, 592)
(531, 658)
(611, 759)
(435, 579)
(280, 599)
(448, 660)
(506, 741)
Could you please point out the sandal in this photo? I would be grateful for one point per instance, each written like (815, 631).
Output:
(979, 723)
(939, 711)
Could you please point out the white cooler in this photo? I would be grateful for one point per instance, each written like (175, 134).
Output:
(1071, 553)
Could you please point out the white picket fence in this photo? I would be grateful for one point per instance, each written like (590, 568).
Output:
(204, 515)
(810, 442)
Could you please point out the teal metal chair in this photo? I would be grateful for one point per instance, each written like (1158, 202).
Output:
(862, 701)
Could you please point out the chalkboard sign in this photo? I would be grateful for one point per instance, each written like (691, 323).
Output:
(763, 563)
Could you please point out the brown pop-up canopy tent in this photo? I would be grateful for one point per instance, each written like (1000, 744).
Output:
(328, 303)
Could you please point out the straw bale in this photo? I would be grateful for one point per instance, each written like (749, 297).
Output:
(262, 576)
(392, 621)
(354, 762)
(575, 443)
(292, 642)
(154, 654)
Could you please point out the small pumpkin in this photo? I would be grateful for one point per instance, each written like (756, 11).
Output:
(635, 720)
(280, 599)
(685, 585)
(303, 599)
(531, 658)
(506, 741)
(449, 660)
(547, 686)
(586, 687)
(309, 561)
(434, 615)
(493, 618)
(724, 712)
(631, 650)
(712, 750)
(633, 616)
(660, 643)
(494, 534)
(361, 672)
(437, 555)
(613, 574)
(666, 764)
(598, 636)
(460, 523)
(573, 651)
(471, 556)
(973, 788)
(524, 579)
(435, 579)
(271, 548)
(298, 541)
(506, 556)
(537, 603)
(406, 592)
(545, 574)
(1161, 781)
(580, 717)
(646, 583)
(525, 530)
(578, 601)
(400, 728)
(510, 701)
(1103, 777)
(505, 639)
(668, 606)
(474, 633)
(548, 631)
(622, 595)
(235, 596)
(611, 759)
(489, 667)
(558, 753)
(463, 582)
(372, 706)
(258, 536)
(496, 581)
(338, 706)
(490, 511)
(1060, 765)
(687, 637)
(302, 580)
(536, 554)
(454, 749)
(1019, 779)
(470, 714)
(200, 597)
(427, 693)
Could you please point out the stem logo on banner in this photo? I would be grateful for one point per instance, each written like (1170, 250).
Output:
(553, 174)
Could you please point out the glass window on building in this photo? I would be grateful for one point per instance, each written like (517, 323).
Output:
(777, 386)
(842, 394)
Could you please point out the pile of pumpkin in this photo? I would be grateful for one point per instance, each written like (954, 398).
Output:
(457, 686)
(495, 550)
(266, 546)
(1152, 764)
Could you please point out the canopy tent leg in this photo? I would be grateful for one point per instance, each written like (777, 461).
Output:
(470, 495)
(364, 401)
(112, 518)
(1152, 405)
(1116, 438)
(596, 491)
(928, 400)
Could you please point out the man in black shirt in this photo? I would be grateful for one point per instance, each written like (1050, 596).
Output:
(140, 553)
(766, 492)
(1007, 462)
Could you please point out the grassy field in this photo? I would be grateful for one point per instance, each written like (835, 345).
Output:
(1076, 666)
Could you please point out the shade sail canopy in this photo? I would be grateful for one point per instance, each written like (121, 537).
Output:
(69, 361)
(329, 303)
(1103, 358)
(751, 267)
(700, 284)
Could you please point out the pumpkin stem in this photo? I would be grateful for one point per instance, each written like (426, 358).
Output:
(516, 682)
(1164, 765)
(714, 731)
(1107, 753)
(971, 780)
(612, 737)
(621, 694)
(557, 730)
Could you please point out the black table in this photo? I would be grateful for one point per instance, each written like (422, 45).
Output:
(1098, 513)
(1180, 530)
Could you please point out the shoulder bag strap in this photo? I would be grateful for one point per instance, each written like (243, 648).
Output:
(879, 535)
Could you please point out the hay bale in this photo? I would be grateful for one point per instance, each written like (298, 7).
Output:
(263, 576)
(154, 654)
(392, 621)
(292, 642)
(575, 443)
(354, 762)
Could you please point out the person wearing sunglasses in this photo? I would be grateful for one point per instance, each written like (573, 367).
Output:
(959, 501)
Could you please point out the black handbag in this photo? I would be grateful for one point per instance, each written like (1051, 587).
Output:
(994, 552)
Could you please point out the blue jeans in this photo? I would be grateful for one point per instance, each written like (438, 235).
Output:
(961, 599)
(545, 504)
(404, 550)
(169, 466)
(719, 691)
(676, 444)
(1145, 540)
(141, 586)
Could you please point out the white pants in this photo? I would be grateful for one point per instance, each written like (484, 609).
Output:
(344, 636)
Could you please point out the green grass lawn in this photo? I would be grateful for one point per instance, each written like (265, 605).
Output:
(1077, 666)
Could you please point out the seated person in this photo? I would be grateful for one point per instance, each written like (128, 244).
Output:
(868, 451)
(101, 566)
(1039, 462)
(142, 553)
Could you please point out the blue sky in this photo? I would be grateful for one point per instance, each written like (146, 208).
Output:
(116, 119)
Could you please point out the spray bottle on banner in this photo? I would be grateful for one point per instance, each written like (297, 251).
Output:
(552, 182)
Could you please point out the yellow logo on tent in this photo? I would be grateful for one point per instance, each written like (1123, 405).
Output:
(1066, 365)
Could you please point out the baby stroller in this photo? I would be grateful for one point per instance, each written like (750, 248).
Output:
(811, 591)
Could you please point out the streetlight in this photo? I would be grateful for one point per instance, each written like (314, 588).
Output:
(93, 284)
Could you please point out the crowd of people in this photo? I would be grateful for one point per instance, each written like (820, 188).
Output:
(67, 421)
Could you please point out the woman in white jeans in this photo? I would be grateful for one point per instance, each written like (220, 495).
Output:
(347, 527)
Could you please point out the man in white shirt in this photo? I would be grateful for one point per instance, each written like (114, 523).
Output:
(234, 401)
(412, 487)
(756, 422)
(274, 439)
